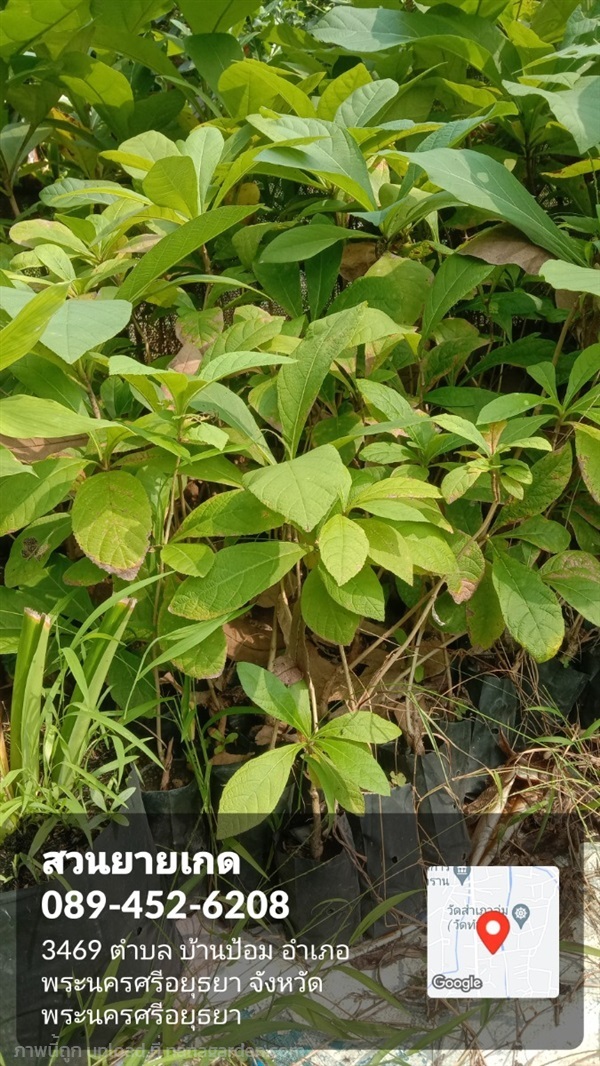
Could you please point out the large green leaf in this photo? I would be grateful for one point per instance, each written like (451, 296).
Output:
(32, 416)
(388, 548)
(27, 497)
(23, 22)
(305, 241)
(362, 594)
(365, 103)
(230, 408)
(550, 476)
(484, 183)
(344, 548)
(361, 726)
(29, 322)
(172, 182)
(563, 275)
(272, 696)
(456, 278)
(255, 790)
(485, 622)
(75, 327)
(212, 53)
(212, 16)
(247, 86)
(398, 287)
(237, 575)
(204, 147)
(475, 40)
(576, 577)
(303, 489)
(576, 109)
(321, 148)
(587, 446)
(229, 514)
(530, 609)
(177, 246)
(112, 522)
(299, 382)
(323, 615)
(102, 86)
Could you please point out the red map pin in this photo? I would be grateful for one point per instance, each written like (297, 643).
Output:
(493, 928)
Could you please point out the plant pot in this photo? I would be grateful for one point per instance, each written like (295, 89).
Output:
(324, 894)
(387, 835)
(175, 817)
(23, 929)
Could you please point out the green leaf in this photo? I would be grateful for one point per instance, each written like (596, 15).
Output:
(462, 478)
(587, 447)
(211, 54)
(303, 242)
(282, 283)
(463, 428)
(298, 383)
(204, 147)
(29, 322)
(485, 622)
(172, 182)
(55, 23)
(323, 615)
(563, 275)
(75, 192)
(194, 560)
(331, 154)
(255, 790)
(237, 575)
(484, 183)
(10, 465)
(177, 246)
(137, 155)
(550, 476)
(112, 522)
(510, 406)
(76, 326)
(321, 273)
(463, 584)
(361, 726)
(344, 547)
(531, 611)
(398, 287)
(229, 514)
(30, 416)
(388, 548)
(456, 278)
(356, 764)
(473, 39)
(31, 549)
(576, 109)
(575, 576)
(247, 86)
(398, 487)
(231, 409)
(104, 87)
(428, 548)
(543, 533)
(272, 696)
(362, 594)
(27, 497)
(585, 366)
(363, 105)
(341, 88)
(303, 489)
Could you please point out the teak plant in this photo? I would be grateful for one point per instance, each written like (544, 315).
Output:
(302, 311)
